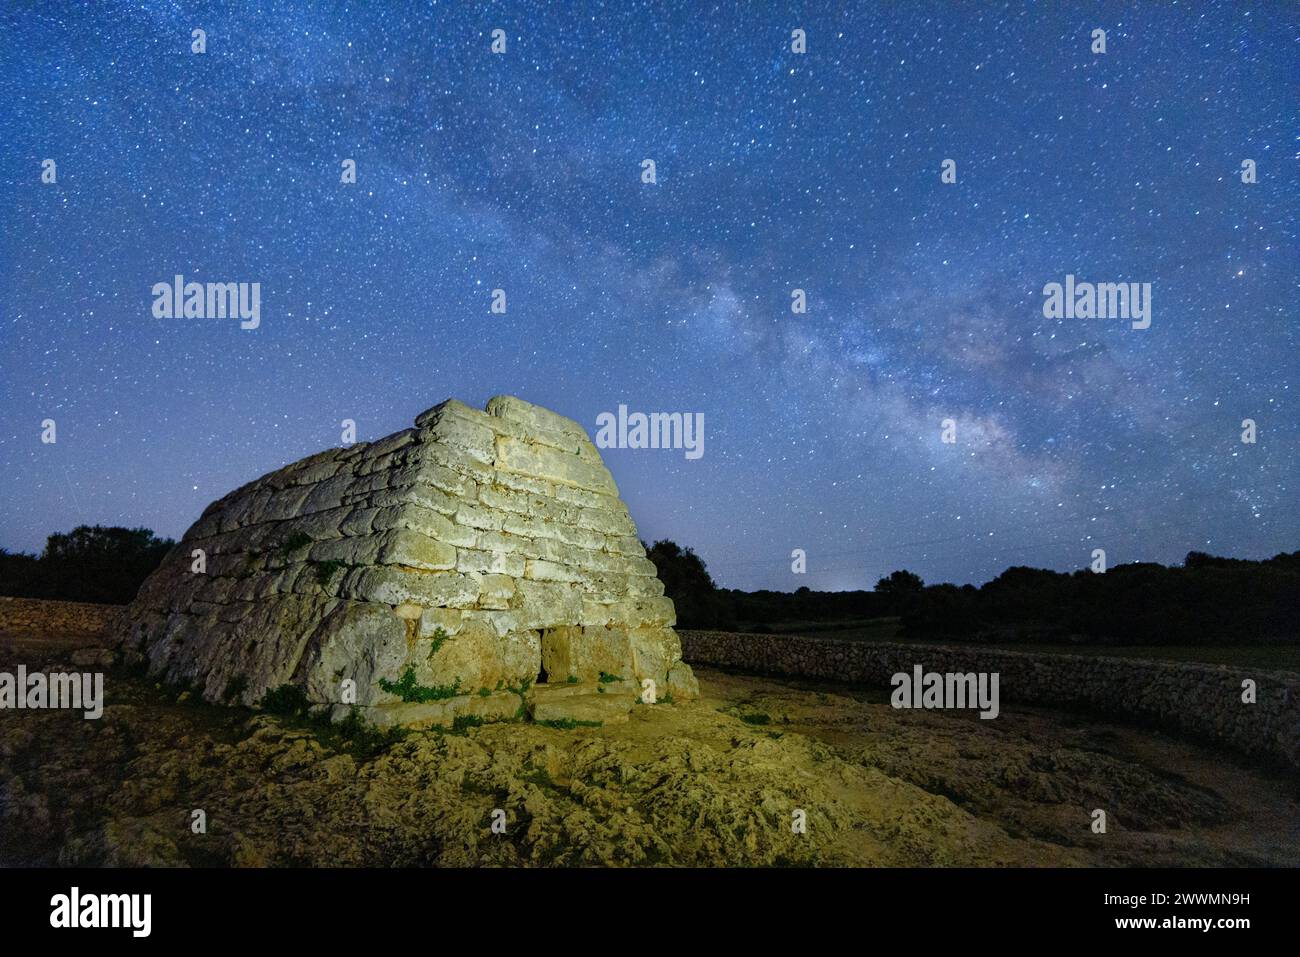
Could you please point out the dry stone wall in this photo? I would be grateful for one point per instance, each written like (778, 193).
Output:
(33, 616)
(1202, 701)
(465, 556)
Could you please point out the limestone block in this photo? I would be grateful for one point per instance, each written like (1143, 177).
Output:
(546, 604)
(579, 536)
(539, 570)
(327, 494)
(605, 522)
(534, 418)
(283, 505)
(503, 499)
(526, 527)
(360, 521)
(424, 521)
(588, 707)
(317, 468)
(552, 465)
(462, 433)
(470, 659)
(357, 641)
(585, 653)
(450, 406)
(324, 523)
(447, 620)
(392, 443)
(432, 497)
(625, 545)
(496, 591)
(402, 546)
(643, 586)
(474, 561)
(501, 621)
(208, 525)
(584, 498)
(500, 706)
(393, 586)
(681, 682)
(373, 465)
(357, 550)
(654, 651)
(547, 509)
(439, 477)
(534, 486)
(489, 540)
(472, 516)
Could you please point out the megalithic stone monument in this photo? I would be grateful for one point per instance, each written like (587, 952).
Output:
(475, 563)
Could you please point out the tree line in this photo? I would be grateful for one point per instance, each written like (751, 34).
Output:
(98, 563)
(1207, 599)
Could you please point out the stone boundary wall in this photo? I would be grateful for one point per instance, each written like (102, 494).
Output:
(1201, 701)
(57, 618)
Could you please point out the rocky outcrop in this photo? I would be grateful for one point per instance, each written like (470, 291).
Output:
(1203, 701)
(436, 572)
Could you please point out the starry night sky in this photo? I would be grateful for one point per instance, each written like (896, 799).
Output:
(775, 171)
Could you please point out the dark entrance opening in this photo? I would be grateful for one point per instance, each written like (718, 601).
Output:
(547, 636)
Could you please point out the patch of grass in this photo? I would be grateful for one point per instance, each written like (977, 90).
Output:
(355, 735)
(568, 724)
(483, 692)
(572, 679)
(667, 699)
(408, 690)
(522, 690)
(463, 722)
(437, 640)
(758, 718)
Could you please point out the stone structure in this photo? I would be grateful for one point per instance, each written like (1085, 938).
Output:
(1198, 700)
(445, 570)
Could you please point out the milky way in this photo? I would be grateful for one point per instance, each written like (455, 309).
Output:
(775, 171)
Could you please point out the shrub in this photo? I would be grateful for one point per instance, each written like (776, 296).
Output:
(288, 700)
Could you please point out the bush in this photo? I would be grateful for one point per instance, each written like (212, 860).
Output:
(287, 700)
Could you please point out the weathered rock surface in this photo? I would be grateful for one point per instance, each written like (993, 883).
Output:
(429, 573)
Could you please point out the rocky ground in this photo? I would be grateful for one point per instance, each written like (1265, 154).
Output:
(713, 782)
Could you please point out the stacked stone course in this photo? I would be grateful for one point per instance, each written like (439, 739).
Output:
(482, 549)
(39, 616)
